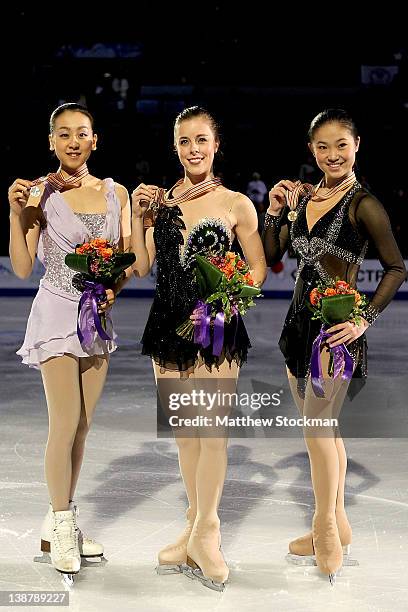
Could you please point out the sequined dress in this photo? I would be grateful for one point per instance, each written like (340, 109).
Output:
(334, 248)
(176, 293)
(52, 323)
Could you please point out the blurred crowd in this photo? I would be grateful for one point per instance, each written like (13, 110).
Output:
(135, 90)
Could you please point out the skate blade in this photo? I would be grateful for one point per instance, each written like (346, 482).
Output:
(300, 559)
(97, 561)
(197, 574)
(44, 558)
(310, 560)
(348, 561)
(163, 569)
(68, 579)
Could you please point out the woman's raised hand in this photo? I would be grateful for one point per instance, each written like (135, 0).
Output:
(142, 197)
(277, 196)
(18, 195)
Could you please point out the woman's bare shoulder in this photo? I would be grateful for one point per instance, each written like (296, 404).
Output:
(122, 194)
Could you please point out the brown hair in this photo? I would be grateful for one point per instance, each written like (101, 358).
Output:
(198, 111)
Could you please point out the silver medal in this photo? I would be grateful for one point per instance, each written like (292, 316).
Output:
(35, 191)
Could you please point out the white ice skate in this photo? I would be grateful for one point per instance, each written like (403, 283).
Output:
(64, 550)
(88, 548)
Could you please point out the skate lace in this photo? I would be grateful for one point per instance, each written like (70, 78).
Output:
(66, 537)
(81, 534)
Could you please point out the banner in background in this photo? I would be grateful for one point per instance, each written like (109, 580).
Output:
(279, 283)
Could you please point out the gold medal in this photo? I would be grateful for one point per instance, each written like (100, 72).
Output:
(292, 197)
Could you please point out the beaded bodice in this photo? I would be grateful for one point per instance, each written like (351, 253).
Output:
(209, 235)
(57, 273)
(332, 235)
(175, 256)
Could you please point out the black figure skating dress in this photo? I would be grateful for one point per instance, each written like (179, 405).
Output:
(334, 248)
(176, 293)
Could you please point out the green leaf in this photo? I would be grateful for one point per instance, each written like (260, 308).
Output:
(337, 308)
(78, 262)
(249, 291)
(210, 273)
(202, 289)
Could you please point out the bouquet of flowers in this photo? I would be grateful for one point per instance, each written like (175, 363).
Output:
(333, 304)
(100, 265)
(226, 288)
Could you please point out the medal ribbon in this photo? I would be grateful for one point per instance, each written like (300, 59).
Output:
(196, 191)
(302, 189)
(344, 185)
(60, 182)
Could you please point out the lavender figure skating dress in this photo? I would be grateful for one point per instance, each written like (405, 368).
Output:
(52, 324)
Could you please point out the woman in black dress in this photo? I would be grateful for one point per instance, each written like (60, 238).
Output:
(196, 216)
(329, 226)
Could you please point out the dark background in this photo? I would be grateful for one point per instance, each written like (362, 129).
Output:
(265, 76)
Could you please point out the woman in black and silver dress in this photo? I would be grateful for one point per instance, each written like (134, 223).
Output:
(197, 216)
(329, 227)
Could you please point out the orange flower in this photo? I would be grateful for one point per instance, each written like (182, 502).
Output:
(357, 297)
(99, 242)
(106, 253)
(240, 264)
(228, 270)
(342, 286)
(229, 255)
(315, 296)
(84, 248)
(330, 291)
(247, 279)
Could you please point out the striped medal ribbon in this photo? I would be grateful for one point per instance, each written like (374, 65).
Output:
(344, 185)
(59, 181)
(302, 189)
(192, 193)
(161, 198)
(292, 197)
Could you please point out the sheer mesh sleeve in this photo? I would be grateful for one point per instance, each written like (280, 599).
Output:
(275, 236)
(374, 223)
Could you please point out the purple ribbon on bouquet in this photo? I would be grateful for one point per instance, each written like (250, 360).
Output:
(218, 340)
(88, 317)
(202, 330)
(341, 357)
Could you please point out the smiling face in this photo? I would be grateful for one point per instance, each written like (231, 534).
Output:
(196, 145)
(335, 148)
(72, 139)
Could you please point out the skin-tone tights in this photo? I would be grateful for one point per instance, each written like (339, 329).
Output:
(72, 388)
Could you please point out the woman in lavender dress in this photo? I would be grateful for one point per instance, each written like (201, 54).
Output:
(49, 217)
